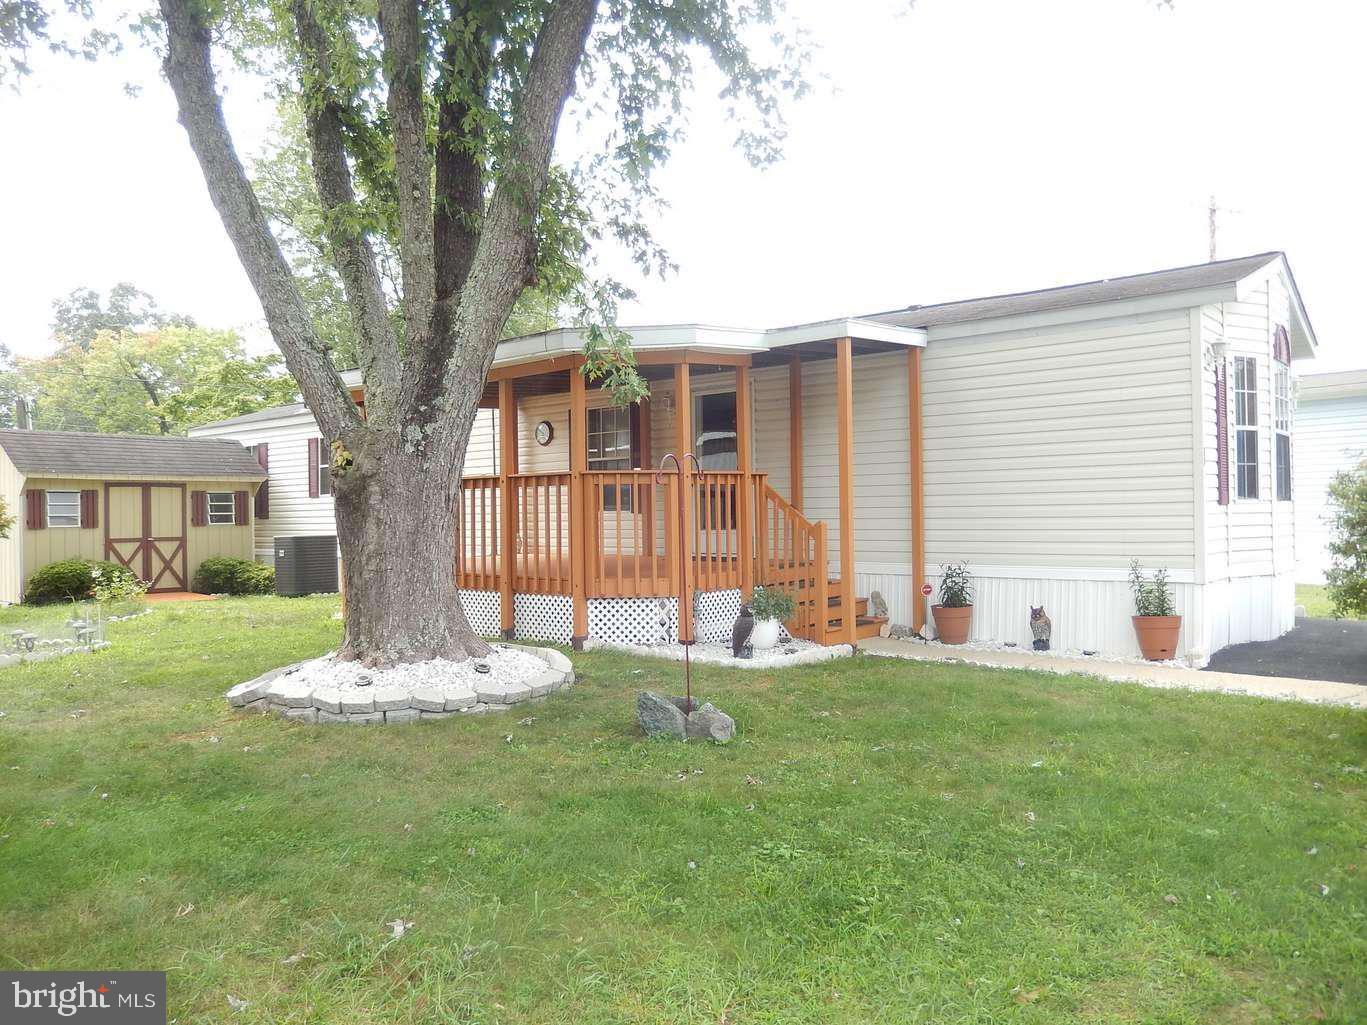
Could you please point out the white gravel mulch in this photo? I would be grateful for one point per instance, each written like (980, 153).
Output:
(789, 653)
(1043, 656)
(506, 666)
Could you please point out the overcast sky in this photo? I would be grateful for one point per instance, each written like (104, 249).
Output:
(961, 148)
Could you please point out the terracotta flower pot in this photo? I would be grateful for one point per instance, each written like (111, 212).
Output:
(952, 624)
(1157, 636)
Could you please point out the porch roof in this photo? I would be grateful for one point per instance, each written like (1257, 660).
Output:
(704, 339)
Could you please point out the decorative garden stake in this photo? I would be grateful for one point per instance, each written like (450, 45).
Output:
(679, 462)
(1041, 627)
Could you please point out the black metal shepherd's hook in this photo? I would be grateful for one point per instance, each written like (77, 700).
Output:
(679, 462)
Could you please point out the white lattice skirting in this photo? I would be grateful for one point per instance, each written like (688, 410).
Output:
(481, 609)
(623, 621)
(642, 621)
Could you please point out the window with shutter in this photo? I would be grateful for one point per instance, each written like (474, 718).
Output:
(1245, 427)
(35, 509)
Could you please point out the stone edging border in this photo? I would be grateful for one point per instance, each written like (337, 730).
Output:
(273, 693)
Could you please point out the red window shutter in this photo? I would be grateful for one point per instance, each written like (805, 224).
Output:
(240, 508)
(1222, 434)
(263, 493)
(1281, 345)
(199, 508)
(35, 509)
(90, 509)
(313, 468)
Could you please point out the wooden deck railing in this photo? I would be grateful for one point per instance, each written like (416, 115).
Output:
(541, 561)
(716, 530)
(629, 534)
(631, 526)
(477, 539)
(791, 555)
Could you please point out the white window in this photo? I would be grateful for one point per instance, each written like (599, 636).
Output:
(63, 508)
(221, 510)
(1281, 423)
(1246, 426)
(324, 468)
(610, 448)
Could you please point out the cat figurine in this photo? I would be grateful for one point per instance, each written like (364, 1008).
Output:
(1041, 627)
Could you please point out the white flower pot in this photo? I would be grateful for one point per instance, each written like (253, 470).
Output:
(765, 634)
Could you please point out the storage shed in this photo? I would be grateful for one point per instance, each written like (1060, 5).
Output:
(159, 506)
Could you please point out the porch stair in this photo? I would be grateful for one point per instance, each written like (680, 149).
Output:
(865, 625)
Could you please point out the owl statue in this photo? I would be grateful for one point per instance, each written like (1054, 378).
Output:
(1040, 627)
(740, 633)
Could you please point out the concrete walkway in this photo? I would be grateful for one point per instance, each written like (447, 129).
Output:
(1318, 691)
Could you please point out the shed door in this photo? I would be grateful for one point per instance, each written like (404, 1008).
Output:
(145, 531)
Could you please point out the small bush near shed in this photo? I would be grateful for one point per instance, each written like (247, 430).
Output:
(226, 575)
(70, 580)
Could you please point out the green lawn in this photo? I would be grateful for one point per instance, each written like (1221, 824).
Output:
(1316, 601)
(884, 842)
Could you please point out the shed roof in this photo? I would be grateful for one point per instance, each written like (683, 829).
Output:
(1130, 286)
(76, 454)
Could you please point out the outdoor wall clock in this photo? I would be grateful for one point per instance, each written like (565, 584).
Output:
(544, 432)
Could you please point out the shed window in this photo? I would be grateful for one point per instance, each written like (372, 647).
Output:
(1246, 426)
(1281, 422)
(63, 508)
(221, 513)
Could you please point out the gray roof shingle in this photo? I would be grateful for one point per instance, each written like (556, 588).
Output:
(271, 413)
(76, 454)
(1133, 286)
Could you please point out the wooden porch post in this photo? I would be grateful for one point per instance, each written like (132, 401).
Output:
(579, 518)
(745, 499)
(795, 431)
(844, 429)
(918, 489)
(507, 466)
(683, 442)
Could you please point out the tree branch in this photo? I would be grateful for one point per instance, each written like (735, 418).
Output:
(351, 250)
(505, 255)
(460, 151)
(189, 69)
(401, 31)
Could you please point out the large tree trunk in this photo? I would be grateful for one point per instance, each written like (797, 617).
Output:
(396, 522)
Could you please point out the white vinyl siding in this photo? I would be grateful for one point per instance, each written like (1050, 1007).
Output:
(1069, 445)
(1331, 436)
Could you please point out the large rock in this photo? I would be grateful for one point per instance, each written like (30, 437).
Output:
(659, 716)
(710, 723)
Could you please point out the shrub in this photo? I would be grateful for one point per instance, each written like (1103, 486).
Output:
(771, 603)
(71, 580)
(118, 588)
(1151, 597)
(956, 587)
(226, 575)
(1347, 574)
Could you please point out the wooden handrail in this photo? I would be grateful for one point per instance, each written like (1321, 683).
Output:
(791, 555)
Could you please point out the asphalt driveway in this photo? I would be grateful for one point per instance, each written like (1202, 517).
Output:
(1317, 649)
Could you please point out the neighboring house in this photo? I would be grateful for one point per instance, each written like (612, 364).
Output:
(1331, 435)
(159, 506)
(1046, 438)
(285, 441)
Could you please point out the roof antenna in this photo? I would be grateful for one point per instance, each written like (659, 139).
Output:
(1211, 211)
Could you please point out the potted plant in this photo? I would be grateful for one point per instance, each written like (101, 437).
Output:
(1156, 624)
(770, 607)
(954, 612)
